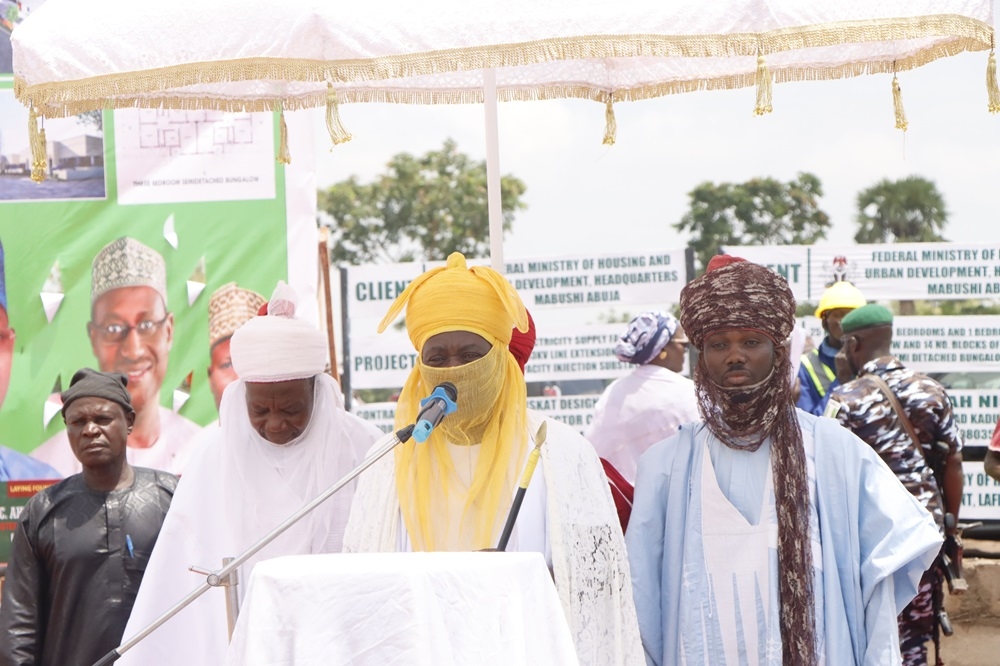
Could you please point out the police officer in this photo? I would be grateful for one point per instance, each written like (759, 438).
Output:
(817, 373)
(907, 418)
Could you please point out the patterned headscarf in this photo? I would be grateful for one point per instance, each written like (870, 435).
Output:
(736, 294)
(646, 337)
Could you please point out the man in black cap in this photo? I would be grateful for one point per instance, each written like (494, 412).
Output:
(81, 546)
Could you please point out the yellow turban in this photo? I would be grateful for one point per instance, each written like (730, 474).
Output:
(442, 511)
(458, 298)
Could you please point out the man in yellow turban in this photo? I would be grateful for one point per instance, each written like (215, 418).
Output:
(453, 492)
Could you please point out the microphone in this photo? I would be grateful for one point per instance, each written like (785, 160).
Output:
(433, 408)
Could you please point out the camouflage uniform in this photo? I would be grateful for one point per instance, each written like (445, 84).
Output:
(863, 408)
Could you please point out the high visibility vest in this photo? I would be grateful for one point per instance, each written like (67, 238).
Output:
(819, 372)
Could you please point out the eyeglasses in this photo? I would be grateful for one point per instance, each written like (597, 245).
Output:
(113, 333)
(7, 335)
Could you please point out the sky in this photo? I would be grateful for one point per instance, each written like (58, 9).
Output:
(585, 197)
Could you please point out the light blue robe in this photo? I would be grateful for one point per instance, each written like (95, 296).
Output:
(16, 466)
(876, 542)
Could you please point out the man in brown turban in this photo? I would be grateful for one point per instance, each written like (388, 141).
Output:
(763, 534)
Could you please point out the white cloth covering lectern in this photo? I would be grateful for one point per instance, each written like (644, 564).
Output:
(438, 609)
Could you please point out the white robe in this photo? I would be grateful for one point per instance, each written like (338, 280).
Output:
(235, 490)
(168, 453)
(637, 411)
(588, 558)
(875, 541)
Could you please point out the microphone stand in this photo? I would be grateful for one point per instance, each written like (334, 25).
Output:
(222, 576)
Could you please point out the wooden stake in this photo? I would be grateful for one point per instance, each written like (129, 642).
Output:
(324, 272)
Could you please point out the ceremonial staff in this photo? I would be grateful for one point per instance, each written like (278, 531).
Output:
(522, 487)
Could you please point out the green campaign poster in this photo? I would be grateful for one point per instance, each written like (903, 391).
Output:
(200, 189)
(13, 496)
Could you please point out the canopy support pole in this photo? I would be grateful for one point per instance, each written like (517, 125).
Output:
(493, 170)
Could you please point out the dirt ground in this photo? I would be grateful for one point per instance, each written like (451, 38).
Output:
(975, 615)
(970, 646)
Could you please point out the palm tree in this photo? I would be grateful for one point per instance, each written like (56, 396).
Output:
(908, 210)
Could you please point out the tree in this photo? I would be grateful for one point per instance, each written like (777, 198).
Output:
(761, 211)
(420, 208)
(94, 118)
(907, 210)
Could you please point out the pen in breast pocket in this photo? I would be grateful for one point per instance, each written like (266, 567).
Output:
(128, 544)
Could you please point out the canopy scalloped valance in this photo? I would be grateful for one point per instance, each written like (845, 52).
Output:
(257, 55)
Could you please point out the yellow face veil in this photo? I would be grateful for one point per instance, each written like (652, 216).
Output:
(440, 512)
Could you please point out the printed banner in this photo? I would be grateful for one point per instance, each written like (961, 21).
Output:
(560, 354)
(576, 411)
(198, 196)
(976, 414)
(13, 496)
(640, 278)
(900, 271)
(939, 344)
(981, 498)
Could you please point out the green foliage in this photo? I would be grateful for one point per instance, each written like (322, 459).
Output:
(93, 118)
(612, 316)
(967, 307)
(805, 309)
(370, 396)
(761, 211)
(421, 208)
(907, 210)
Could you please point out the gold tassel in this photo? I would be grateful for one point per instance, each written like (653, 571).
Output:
(610, 124)
(283, 155)
(39, 157)
(992, 90)
(763, 88)
(338, 133)
(897, 103)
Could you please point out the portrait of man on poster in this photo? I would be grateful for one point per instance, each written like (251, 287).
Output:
(131, 331)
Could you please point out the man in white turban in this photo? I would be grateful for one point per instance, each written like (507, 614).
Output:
(285, 438)
(131, 332)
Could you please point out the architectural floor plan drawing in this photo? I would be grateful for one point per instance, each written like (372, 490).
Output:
(171, 133)
(166, 155)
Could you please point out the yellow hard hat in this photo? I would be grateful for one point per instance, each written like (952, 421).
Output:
(841, 294)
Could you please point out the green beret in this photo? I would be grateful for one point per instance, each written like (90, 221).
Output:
(867, 316)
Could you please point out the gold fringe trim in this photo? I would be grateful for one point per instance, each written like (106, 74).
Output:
(39, 156)
(897, 104)
(338, 133)
(161, 87)
(763, 88)
(992, 90)
(283, 155)
(610, 124)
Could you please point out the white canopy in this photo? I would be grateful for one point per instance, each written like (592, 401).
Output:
(261, 55)
(255, 55)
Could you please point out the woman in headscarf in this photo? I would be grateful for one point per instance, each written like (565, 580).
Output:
(650, 403)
